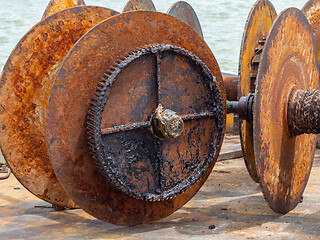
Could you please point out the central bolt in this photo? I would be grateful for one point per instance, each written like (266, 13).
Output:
(166, 124)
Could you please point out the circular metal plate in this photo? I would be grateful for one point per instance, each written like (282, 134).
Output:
(257, 27)
(136, 5)
(183, 11)
(312, 12)
(25, 85)
(58, 5)
(289, 61)
(141, 162)
(69, 103)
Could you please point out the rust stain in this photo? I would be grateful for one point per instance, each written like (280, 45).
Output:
(25, 85)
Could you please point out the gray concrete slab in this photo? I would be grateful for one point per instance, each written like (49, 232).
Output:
(229, 200)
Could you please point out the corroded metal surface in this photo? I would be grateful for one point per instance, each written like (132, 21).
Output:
(243, 107)
(69, 103)
(231, 85)
(183, 11)
(257, 27)
(136, 5)
(289, 61)
(25, 85)
(176, 97)
(312, 12)
(58, 5)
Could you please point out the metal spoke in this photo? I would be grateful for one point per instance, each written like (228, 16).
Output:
(134, 126)
(125, 128)
(194, 116)
(158, 61)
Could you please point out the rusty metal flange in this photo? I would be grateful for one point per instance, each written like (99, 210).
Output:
(136, 5)
(289, 62)
(69, 103)
(58, 5)
(183, 11)
(26, 81)
(257, 27)
(159, 167)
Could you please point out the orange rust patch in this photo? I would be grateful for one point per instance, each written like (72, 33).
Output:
(25, 85)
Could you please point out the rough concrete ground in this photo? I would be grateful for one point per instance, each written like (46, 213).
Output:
(229, 200)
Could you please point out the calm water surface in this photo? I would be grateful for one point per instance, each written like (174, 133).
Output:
(222, 22)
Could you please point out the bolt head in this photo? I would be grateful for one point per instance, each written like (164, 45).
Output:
(166, 124)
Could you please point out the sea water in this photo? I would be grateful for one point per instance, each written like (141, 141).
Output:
(222, 22)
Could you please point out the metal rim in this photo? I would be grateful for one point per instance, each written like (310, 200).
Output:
(69, 151)
(259, 22)
(311, 10)
(183, 11)
(289, 61)
(25, 84)
(138, 5)
(58, 5)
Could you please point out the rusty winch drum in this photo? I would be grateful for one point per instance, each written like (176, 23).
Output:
(124, 114)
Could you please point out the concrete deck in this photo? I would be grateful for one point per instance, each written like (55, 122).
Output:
(229, 200)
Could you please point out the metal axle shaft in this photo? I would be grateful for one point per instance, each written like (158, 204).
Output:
(303, 112)
(243, 107)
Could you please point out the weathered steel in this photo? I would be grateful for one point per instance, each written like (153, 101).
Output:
(243, 108)
(163, 163)
(58, 5)
(69, 103)
(231, 85)
(136, 5)
(289, 62)
(312, 12)
(257, 27)
(184, 12)
(26, 81)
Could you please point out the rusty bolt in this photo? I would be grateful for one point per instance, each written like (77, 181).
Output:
(166, 124)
